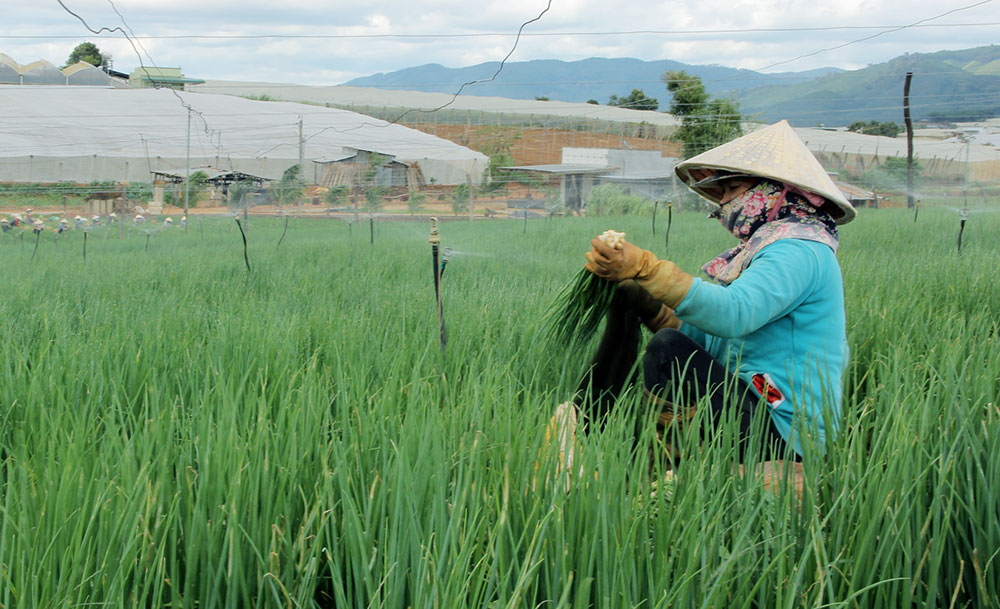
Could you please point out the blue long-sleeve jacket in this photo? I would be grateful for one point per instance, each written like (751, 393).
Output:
(780, 326)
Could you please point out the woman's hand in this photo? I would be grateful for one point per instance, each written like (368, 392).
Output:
(614, 264)
(661, 278)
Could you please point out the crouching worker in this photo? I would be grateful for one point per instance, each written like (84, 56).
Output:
(769, 331)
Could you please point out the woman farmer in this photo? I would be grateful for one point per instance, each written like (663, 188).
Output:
(768, 337)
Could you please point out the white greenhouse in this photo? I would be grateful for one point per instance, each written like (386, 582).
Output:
(84, 134)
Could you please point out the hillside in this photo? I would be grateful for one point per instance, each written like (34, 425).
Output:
(575, 81)
(947, 85)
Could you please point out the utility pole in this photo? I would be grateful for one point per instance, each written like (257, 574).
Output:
(909, 140)
(187, 174)
(302, 170)
(472, 195)
(968, 144)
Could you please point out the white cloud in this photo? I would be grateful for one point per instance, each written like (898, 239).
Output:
(331, 60)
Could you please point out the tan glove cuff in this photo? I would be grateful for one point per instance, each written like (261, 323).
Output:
(664, 281)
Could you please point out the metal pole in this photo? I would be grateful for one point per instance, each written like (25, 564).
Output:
(968, 143)
(909, 140)
(302, 171)
(187, 175)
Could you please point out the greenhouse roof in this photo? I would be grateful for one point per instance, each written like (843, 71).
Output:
(58, 133)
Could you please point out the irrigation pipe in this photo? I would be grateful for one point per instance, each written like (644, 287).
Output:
(246, 258)
(435, 241)
(283, 233)
(670, 219)
(963, 216)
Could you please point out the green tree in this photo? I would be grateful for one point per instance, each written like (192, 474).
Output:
(636, 100)
(461, 201)
(497, 143)
(237, 191)
(337, 195)
(415, 204)
(705, 122)
(291, 185)
(373, 198)
(88, 52)
(887, 128)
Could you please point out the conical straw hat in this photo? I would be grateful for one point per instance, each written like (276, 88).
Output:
(774, 152)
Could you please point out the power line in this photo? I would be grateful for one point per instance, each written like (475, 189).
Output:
(888, 31)
(831, 28)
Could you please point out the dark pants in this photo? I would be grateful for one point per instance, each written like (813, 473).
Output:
(676, 372)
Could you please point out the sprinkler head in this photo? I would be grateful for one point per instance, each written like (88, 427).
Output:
(435, 239)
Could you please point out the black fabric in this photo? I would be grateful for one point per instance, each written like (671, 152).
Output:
(611, 367)
(678, 370)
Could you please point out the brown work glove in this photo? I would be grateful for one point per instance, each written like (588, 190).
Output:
(661, 278)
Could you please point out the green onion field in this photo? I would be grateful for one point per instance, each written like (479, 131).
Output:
(176, 431)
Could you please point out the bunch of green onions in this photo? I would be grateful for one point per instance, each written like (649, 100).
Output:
(579, 308)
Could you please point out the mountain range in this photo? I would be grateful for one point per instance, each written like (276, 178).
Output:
(947, 85)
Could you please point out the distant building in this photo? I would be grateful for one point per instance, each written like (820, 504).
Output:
(644, 173)
(43, 72)
(218, 181)
(171, 78)
(354, 168)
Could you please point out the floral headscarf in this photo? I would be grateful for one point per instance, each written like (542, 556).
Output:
(764, 214)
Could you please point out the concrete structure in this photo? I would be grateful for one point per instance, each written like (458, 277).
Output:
(644, 173)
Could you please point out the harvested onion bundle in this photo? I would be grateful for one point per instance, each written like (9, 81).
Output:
(579, 308)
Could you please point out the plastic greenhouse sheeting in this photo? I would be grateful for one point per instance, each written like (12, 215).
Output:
(83, 134)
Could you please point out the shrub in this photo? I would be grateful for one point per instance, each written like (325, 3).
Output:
(611, 200)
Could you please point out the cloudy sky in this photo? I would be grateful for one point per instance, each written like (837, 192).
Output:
(329, 42)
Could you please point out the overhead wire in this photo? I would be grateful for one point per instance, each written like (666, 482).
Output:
(687, 32)
(520, 32)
